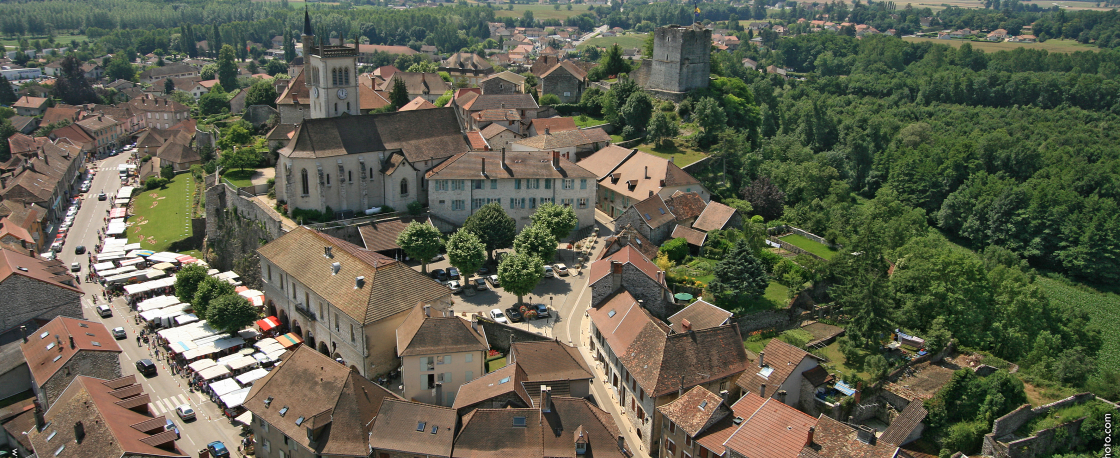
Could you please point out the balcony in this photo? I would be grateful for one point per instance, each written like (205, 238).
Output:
(306, 312)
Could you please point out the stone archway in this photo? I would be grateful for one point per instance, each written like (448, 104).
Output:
(309, 339)
(283, 317)
(296, 328)
(323, 349)
(271, 309)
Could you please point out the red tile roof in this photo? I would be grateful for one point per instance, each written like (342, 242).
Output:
(833, 439)
(782, 357)
(692, 236)
(627, 254)
(715, 216)
(775, 430)
(700, 315)
(557, 124)
(477, 142)
(50, 348)
(417, 104)
(695, 410)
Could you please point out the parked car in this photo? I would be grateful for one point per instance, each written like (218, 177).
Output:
(76, 267)
(453, 273)
(437, 258)
(548, 273)
(218, 449)
(119, 333)
(185, 412)
(146, 367)
(439, 275)
(85, 187)
(57, 245)
(561, 269)
(455, 287)
(493, 279)
(480, 284)
(80, 249)
(482, 271)
(514, 315)
(497, 315)
(170, 426)
(542, 310)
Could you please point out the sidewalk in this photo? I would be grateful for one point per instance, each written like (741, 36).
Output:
(604, 395)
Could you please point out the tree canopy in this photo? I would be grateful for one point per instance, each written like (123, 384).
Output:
(519, 274)
(466, 251)
(559, 220)
(493, 226)
(187, 280)
(231, 313)
(420, 241)
(739, 276)
(536, 241)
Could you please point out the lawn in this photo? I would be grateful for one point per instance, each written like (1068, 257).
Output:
(591, 121)
(775, 297)
(1063, 46)
(541, 12)
(162, 216)
(681, 155)
(239, 178)
(628, 41)
(495, 364)
(811, 246)
(837, 362)
(59, 40)
(1103, 309)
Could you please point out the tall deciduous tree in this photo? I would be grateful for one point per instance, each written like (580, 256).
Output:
(71, 85)
(261, 93)
(187, 281)
(493, 226)
(536, 241)
(767, 200)
(466, 251)
(227, 68)
(558, 219)
(231, 313)
(209, 290)
(168, 86)
(119, 68)
(519, 273)
(740, 276)
(420, 241)
(661, 127)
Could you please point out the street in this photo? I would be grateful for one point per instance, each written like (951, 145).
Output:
(167, 391)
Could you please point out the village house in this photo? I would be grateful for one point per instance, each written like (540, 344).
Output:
(997, 35)
(171, 70)
(310, 406)
(75, 135)
(417, 104)
(367, 53)
(627, 176)
(571, 144)
(565, 80)
(105, 130)
(468, 66)
(699, 315)
(642, 278)
(530, 366)
(480, 110)
(703, 424)
(30, 106)
(405, 429)
(518, 180)
(428, 86)
(28, 217)
(45, 177)
(555, 124)
(494, 137)
(157, 112)
(626, 236)
(343, 300)
(25, 124)
(439, 352)
(503, 83)
(65, 348)
(651, 217)
(779, 373)
(557, 427)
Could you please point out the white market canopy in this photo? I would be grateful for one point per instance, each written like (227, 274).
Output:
(157, 302)
(125, 192)
(131, 261)
(241, 363)
(186, 318)
(213, 372)
(116, 227)
(251, 376)
(202, 364)
(236, 398)
(164, 256)
(224, 387)
(102, 266)
(150, 285)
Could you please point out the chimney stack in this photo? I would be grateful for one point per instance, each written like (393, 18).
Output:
(647, 172)
(504, 159)
(685, 324)
(547, 131)
(484, 167)
(23, 331)
(427, 311)
(865, 434)
(761, 355)
(72, 346)
(780, 396)
(809, 440)
(616, 275)
(556, 160)
(725, 396)
(762, 390)
(546, 398)
(40, 422)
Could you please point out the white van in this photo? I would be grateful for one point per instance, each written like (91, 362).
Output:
(105, 311)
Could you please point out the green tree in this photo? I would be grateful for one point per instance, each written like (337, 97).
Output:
(709, 115)
(231, 313)
(661, 127)
(227, 68)
(493, 226)
(398, 96)
(71, 86)
(637, 111)
(423, 67)
(536, 241)
(7, 95)
(209, 289)
(739, 276)
(465, 251)
(261, 93)
(208, 72)
(167, 172)
(213, 102)
(275, 67)
(420, 241)
(676, 249)
(558, 219)
(240, 158)
(119, 68)
(443, 99)
(519, 273)
(168, 86)
(187, 281)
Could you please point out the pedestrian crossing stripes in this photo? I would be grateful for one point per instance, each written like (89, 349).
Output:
(167, 406)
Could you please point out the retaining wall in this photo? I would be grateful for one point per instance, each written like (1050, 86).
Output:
(501, 336)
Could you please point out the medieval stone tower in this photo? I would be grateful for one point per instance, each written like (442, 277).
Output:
(681, 61)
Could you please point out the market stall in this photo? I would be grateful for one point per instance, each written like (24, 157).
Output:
(249, 377)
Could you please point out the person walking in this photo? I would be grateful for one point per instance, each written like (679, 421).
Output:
(138, 341)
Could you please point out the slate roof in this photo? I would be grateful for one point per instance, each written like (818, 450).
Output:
(520, 164)
(626, 255)
(833, 439)
(111, 427)
(904, 423)
(492, 433)
(44, 362)
(554, 125)
(21, 122)
(692, 236)
(695, 410)
(817, 376)
(700, 315)
(389, 287)
(498, 101)
(417, 104)
(398, 428)
(509, 379)
(549, 360)
(623, 171)
(282, 132)
(780, 356)
(686, 205)
(563, 139)
(714, 217)
(502, 114)
(662, 361)
(465, 61)
(567, 66)
(381, 235)
(654, 212)
(421, 135)
(774, 430)
(324, 394)
(423, 335)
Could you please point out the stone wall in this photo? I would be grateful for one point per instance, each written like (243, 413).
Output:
(1043, 443)
(1007, 424)
(235, 227)
(501, 336)
(646, 290)
(766, 320)
(105, 365)
(27, 299)
(560, 82)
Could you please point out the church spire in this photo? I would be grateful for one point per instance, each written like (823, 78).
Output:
(306, 22)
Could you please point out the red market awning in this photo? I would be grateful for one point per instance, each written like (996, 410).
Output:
(289, 340)
(268, 324)
(118, 213)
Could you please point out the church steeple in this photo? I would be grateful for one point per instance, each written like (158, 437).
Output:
(308, 37)
(306, 22)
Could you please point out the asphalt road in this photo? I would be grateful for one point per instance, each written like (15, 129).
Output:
(166, 390)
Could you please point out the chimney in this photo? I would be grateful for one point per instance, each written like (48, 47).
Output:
(616, 275)
(359, 281)
(556, 160)
(685, 324)
(327, 252)
(439, 391)
(427, 311)
(761, 354)
(647, 172)
(504, 159)
(865, 434)
(671, 161)
(23, 330)
(780, 396)
(40, 422)
(546, 399)
(335, 267)
(809, 440)
(725, 396)
(762, 390)
(58, 343)
(484, 167)
(79, 432)
(547, 131)
(72, 346)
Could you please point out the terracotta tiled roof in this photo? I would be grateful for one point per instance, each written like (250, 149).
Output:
(626, 255)
(281, 132)
(177, 152)
(715, 216)
(904, 424)
(692, 236)
(465, 61)
(562, 139)
(46, 354)
(774, 430)
(417, 83)
(554, 125)
(421, 335)
(421, 135)
(19, 143)
(30, 102)
(569, 67)
(7, 227)
(381, 235)
(700, 315)
(414, 428)
(477, 142)
(499, 432)
(493, 130)
(520, 164)
(695, 410)
(53, 273)
(501, 101)
(417, 104)
(782, 357)
(627, 236)
(715, 435)
(686, 205)
(389, 287)
(297, 92)
(624, 171)
(833, 439)
(312, 389)
(549, 360)
(654, 212)
(55, 114)
(509, 379)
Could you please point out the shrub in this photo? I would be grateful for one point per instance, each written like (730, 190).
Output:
(675, 249)
(155, 182)
(415, 208)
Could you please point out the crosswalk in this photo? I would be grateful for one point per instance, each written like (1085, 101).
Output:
(167, 406)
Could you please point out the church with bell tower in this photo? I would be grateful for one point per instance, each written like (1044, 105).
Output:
(331, 75)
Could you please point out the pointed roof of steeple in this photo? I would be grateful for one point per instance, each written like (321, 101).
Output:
(306, 22)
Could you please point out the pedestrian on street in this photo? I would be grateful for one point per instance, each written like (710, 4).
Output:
(137, 341)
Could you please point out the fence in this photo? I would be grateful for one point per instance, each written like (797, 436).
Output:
(792, 248)
(362, 220)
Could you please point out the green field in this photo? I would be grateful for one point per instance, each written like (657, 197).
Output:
(775, 297)
(162, 216)
(239, 178)
(628, 41)
(1064, 46)
(541, 12)
(591, 121)
(1103, 308)
(810, 246)
(669, 149)
(59, 40)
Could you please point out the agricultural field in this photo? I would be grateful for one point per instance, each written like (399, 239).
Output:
(541, 12)
(1063, 46)
(1103, 308)
(627, 41)
(59, 40)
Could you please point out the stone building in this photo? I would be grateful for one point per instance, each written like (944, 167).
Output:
(530, 367)
(66, 348)
(410, 429)
(467, 66)
(565, 80)
(779, 372)
(628, 176)
(35, 289)
(641, 276)
(503, 83)
(343, 300)
(439, 352)
(681, 62)
(651, 217)
(518, 180)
